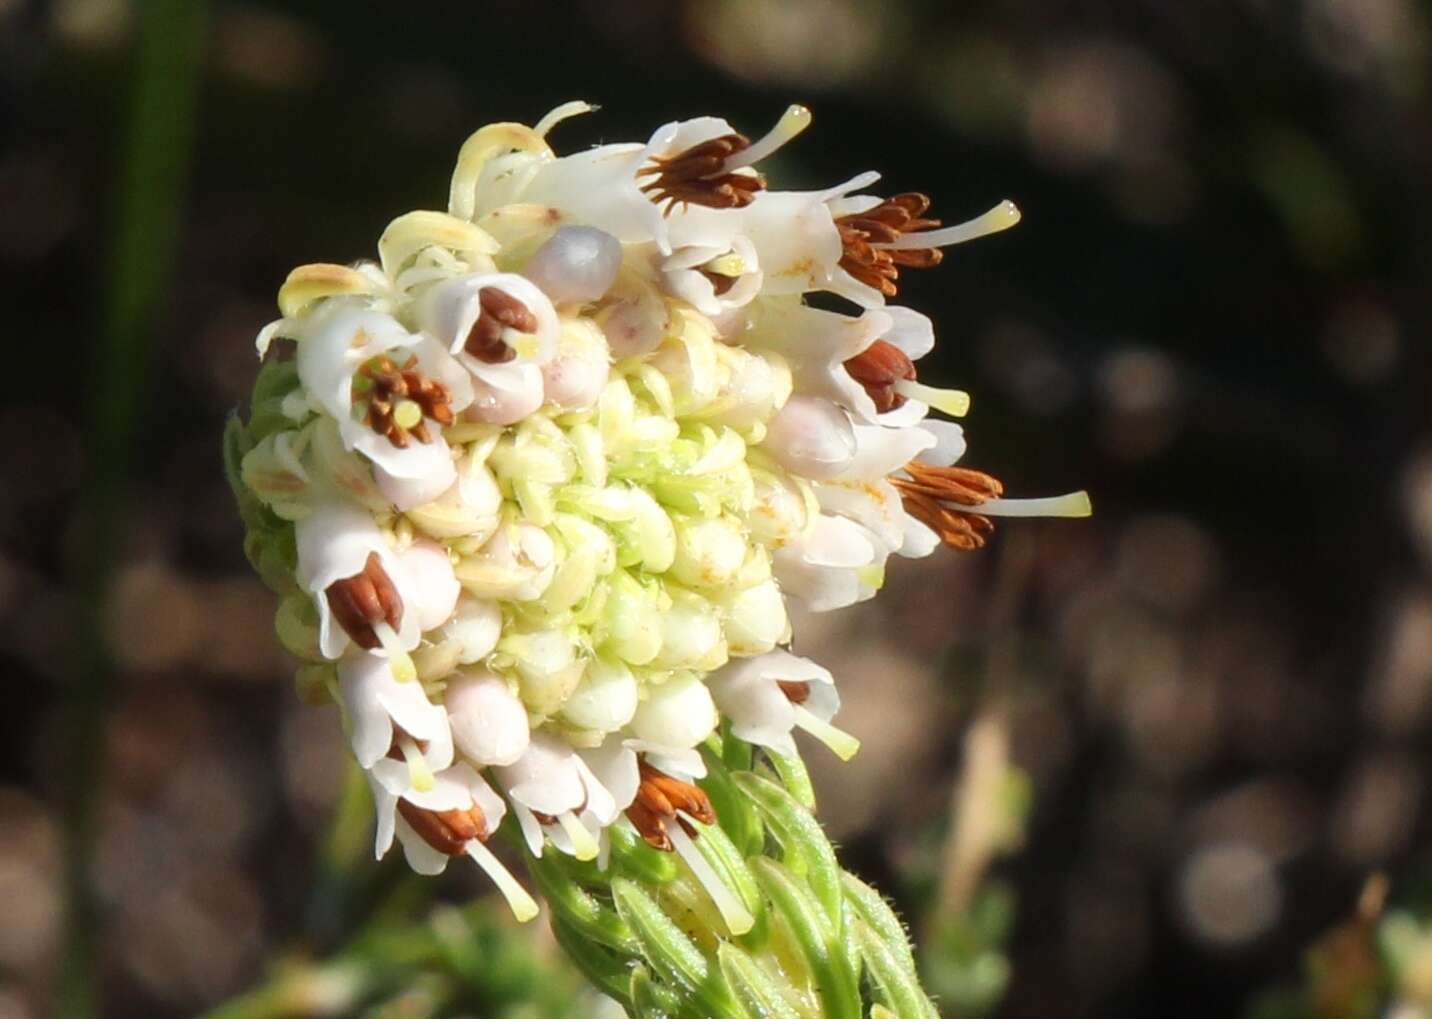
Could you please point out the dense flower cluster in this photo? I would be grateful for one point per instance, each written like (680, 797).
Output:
(537, 484)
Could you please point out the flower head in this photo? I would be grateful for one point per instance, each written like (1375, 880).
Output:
(541, 481)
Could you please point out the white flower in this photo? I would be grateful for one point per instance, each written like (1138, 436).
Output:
(386, 715)
(339, 542)
(550, 779)
(769, 695)
(408, 386)
(713, 278)
(492, 323)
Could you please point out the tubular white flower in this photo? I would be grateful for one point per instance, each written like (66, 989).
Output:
(713, 279)
(344, 338)
(386, 715)
(453, 309)
(334, 543)
(763, 711)
(550, 779)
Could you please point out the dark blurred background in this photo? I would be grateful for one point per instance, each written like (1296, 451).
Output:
(1213, 316)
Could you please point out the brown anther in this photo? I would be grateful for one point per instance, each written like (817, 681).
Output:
(363, 600)
(447, 831)
(499, 310)
(796, 691)
(938, 497)
(388, 384)
(877, 368)
(659, 798)
(860, 232)
(696, 177)
(720, 282)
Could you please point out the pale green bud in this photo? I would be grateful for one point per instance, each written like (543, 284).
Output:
(676, 713)
(708, 552)
(690, 634)
(756, 619)
(689, 364)
(296, 623)
(589, 553)
(606, 698)
(273, 471)
(784, 507)
(630, 627)
(547, 666)
(516, 564)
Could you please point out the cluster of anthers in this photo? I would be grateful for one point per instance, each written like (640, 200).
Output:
(539, 482)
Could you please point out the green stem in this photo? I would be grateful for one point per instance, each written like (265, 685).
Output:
(146, 225)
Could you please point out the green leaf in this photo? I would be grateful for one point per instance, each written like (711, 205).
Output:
(753, 985)
(606, 970)
(835, 980)
(793, 775)
(872, 908)
(583, 912)
(670, 952)
(898, 986)
(736, 814)
(635, 859)
(806, 849)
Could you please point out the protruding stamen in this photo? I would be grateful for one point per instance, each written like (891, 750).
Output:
(878, 368)
(364, 601)
(945, 499)
(487, 340)
(1003, 216)
(398, 399)
(738, 918)
(584, 847)
(698, 176)
(399, 661)
(1074, 504)
(797, 691)
(954, 402)
(447, 831)
(658, 799)
(795, 120)
(523, 906)
(840, 742)
(419, 774)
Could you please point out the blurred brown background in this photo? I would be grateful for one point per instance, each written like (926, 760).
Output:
(1213, 317)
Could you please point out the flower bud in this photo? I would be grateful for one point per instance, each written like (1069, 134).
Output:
(756, 619)
(690, 634)
(578, 264)
(606, 698)
(630, 627)
(475, 626)
(516, 564)
(489, 723)
(678, 713)
(547, 667)
(811, 437)
(708, 552)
